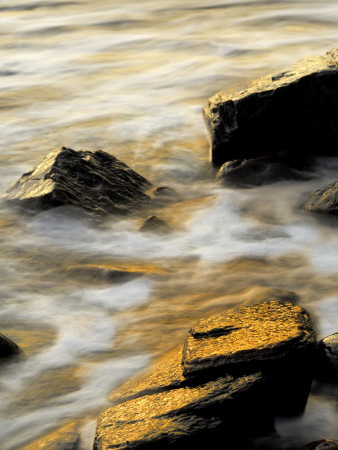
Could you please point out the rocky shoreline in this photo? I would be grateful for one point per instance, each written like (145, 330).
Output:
(238, 369)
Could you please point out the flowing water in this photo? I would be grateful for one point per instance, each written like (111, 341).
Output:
(131, 78)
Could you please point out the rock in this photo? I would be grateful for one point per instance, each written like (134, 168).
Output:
(294, 112)
(165, 193)
(324, 200)
(7, 347)
(155, 225)
(96, 273)
(218, 412)
(327, 365)
(64, 438)
(257, 172)
(323, 444)
(274, 337)
(95, 181)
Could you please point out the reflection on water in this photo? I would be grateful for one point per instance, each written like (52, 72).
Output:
(132, 79)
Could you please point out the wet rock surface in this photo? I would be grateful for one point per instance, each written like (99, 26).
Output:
(8, 348)
(155, 225)
(324, 200)
(323, 444)
(200, 416)
(293, 112)
(275, 337)
(64, 438)
(257, 172)
(95, 181)
(327, 365)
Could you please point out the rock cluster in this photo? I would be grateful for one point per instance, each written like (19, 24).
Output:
(237, 369)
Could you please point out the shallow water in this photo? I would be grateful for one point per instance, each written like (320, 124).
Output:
(132, 79)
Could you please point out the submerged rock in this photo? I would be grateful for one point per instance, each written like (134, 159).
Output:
(327, 366)
(223, 411)
(324, 200)
(257, 172)
(294, 112)
(95, 181)
(155, 225)
(8, 347)
(97, 273)
(64, 438)
(275, 337)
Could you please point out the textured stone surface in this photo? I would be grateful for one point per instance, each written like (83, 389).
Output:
(95, 181)
(7, 347)
(324, 200)
(155, 225)
(323, 444)
(275, 337)
(293, 112)
(187, 417)
(327, 367)
(257, 172)
(64, 438)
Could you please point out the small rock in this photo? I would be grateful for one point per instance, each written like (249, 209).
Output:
(257, 172)
(64, 438)
(324, 200)
(294, 112)
(275, 337)
(95, 181)
(155, 225)
(7, 347)
(97, 273)
(327, 366)
(323, 444)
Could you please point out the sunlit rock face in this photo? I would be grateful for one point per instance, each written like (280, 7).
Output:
(275, 337)
(293, 112)
(95, 181)
(324, 200)
(219, 412)
(7, 347)
(64, 438)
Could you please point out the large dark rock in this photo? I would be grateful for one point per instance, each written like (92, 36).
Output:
(293, 112)
(7, 347)
(324, 200)
(274, 337)
(327, 366)
(258, 172)
(220, 412)
(95, 181)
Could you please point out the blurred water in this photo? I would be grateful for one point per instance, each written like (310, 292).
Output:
(132, 79)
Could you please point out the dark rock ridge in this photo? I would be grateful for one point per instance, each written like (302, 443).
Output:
(324, 200)
(258, 171)
(7, 347)
(275, 337)
(95, 181)
(327, 366)
(200, 401)
(293, 112)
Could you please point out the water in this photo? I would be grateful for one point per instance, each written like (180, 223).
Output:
(132, 79)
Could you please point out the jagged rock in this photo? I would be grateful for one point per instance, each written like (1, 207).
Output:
(324, 200)
(7, 347)
(275, 337)
(257, 172)
(64, 438)
(95, 181)
(218, 412)
(294, 112)
(323, 444)
(155, 225)
(327, 366)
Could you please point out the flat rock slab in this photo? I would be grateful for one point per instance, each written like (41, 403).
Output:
(95, 181)
(186, 417)
(275, 337)
(293, 112)
(324, 200)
